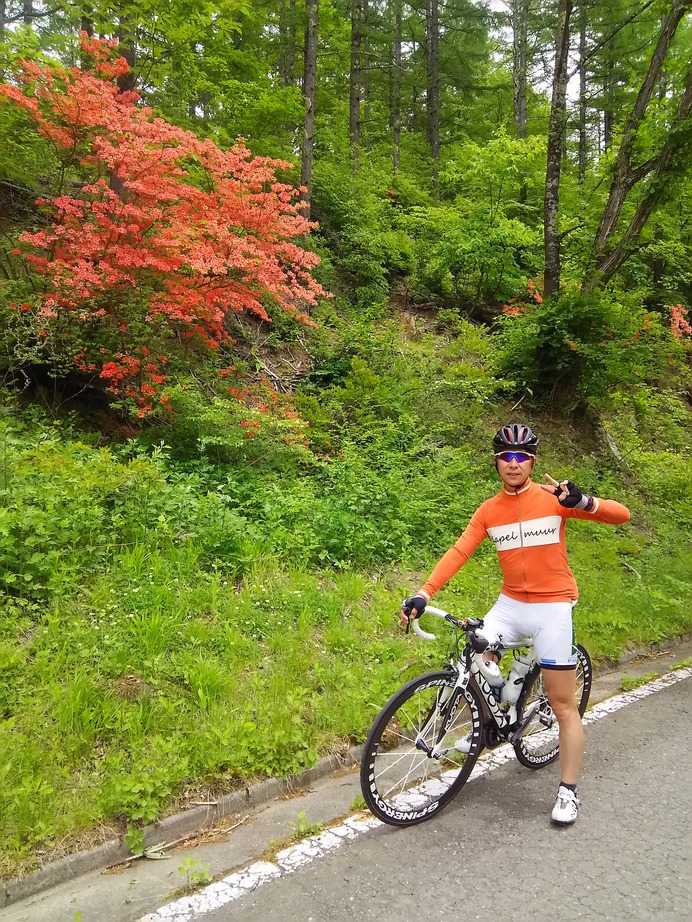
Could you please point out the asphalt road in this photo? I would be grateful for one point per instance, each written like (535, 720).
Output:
(493, 853)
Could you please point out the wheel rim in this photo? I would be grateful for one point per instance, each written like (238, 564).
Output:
(403, 779)
(540, 739)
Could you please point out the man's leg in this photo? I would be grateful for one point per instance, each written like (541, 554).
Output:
(560, 685)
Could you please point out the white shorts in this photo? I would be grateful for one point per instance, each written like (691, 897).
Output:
(548, 623)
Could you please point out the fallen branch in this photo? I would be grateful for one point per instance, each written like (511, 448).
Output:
(154, 851)
(517, 403)
(628, 566)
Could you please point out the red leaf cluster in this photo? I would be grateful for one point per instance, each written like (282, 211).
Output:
(679, 324)
(167, 234)
(533, 295)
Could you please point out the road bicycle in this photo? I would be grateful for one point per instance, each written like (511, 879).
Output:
(427, 738)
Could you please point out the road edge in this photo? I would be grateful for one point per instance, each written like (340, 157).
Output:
(199, 819)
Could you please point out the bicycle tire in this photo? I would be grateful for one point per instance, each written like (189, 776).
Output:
(401, 784)
(539, 743)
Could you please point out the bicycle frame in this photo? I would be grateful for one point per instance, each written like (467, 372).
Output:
(424, 743)
(468, 669)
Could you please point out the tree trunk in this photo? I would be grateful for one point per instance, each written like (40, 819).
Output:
(582, 91)
(354, 88)
(126, 82)
(206, 104)
(520, 21)
(663, 82)
(86, 25)
(283, 72)
(414, 92)
(3, 20)
(287, 42)
(558, 113)
(610, 262)
(428, 68)
(625, 177)
(366, 73)
(309, 88)
(396, 91)
(28, 11)
(237, 38)
(432, 34)
(608, 102)
(291, 52)
(127, 45)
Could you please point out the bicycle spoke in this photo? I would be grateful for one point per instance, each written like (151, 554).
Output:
(389, 768)
(399, 774)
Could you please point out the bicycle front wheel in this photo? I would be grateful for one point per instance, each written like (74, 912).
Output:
(540, 742)
(410, 768)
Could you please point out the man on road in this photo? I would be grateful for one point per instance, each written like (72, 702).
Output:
(526, 522)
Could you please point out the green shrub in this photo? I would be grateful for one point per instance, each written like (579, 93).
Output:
(204, 612)
(579, 344)
(358, 219)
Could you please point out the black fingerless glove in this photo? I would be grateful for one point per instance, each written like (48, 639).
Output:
(575, 499)
(416, 601)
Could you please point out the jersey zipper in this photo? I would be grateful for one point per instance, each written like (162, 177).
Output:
(521, 542)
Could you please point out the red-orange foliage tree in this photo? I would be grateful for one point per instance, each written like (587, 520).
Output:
(165, 236)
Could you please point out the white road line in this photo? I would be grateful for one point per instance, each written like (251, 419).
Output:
(237, 885)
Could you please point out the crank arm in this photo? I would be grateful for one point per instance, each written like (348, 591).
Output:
(525, 721)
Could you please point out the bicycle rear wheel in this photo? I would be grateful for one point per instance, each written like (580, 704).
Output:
(402, 781)
(539, 744)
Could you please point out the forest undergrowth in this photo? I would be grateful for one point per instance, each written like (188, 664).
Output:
(192, 608)
(209, 512)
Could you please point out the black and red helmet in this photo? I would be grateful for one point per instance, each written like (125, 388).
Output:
(515, 437)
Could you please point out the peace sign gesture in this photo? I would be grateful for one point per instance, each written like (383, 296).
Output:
(561, 490)
(568, 494)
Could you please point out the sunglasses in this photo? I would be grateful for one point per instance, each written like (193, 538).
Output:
(507, 456)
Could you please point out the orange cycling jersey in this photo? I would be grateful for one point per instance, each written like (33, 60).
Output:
(528, 529)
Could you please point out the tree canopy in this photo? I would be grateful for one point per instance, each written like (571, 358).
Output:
(452, 147)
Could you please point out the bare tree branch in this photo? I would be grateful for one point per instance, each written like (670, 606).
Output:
(622, 180)
(604, 41)
(31, 14)
(610, 262)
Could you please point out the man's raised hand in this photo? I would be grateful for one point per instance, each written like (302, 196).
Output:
(560, 490)
(568, 494)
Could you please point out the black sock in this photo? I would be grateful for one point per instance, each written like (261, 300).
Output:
(570, 787)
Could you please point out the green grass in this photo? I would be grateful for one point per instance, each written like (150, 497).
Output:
(169, 625)
(117, 700)
(151, 682)
(630, 682)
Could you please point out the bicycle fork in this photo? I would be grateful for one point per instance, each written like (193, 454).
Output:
(443, 709)
(446, 707)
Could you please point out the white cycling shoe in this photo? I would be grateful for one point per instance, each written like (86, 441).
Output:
(566, 806)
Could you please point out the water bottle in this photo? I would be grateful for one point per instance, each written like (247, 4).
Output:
(491, 673)
(520, 666)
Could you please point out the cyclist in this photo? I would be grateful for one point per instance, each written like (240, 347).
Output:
(526, 522)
